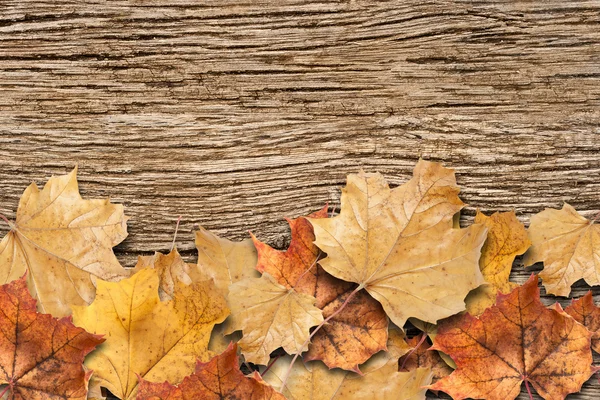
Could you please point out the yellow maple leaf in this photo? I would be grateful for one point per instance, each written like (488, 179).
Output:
(64, 243)
(145, 337)
(271, 316)
(399, 244)
(506, 238)
(381, 379)
(569, 246)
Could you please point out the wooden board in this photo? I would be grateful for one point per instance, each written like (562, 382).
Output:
(237, 114)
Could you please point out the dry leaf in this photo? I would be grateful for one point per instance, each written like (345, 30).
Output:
(518, 339)
(170, 268)
(584, 311)
(356, 333)
(220, 378)
(506, 239)
(569, 246)
(41, 357)
(381, 379)
(146, 337)
(64, 243)
(224, 261)
(431, 331)
(422, 357)
(270, 316)
(400, 245)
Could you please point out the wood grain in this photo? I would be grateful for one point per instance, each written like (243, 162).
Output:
(235, 114)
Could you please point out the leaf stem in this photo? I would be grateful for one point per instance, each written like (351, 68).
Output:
(175, 235)
(528, 390)
(326, 320)
(270, 365)
(308, 269)
(4, 391)
(10, 224)
(423, 336)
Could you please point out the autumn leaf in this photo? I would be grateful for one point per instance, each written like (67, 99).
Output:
(569, 246)
(270, 316)
(170, 268)
(224, 261)
(381, 379)
(518, 339)
(350, 337)
(506, 239)
(400, 244)
(64, 243)
(422, 357)
(584, 311)
(220, 378)
(41, 357)
(146, 337)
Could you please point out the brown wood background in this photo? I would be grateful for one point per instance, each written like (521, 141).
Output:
(235, 114)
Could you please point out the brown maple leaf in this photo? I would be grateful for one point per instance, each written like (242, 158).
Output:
(148, 338)
(64, 242)
(400, 245)
(588, 314)
(41, 357)
(422, 357)
(518, 339)
(352, 336)
(218, 379)
(569, 246)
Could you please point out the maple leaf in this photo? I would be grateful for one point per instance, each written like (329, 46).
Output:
(270, 316)
(146, 337)
(422, 357)
(220, 378)
(400, 244)
(41, 357)
(171, 269)
(64, 243)
(584, 311)
(350, 337)
(569, 246)
(506, 238)
(224, 261)
(518, 339)
(381, 379)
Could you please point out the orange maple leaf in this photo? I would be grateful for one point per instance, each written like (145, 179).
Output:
(588, 314)
(421, 356)
(518, 339)
(220, 378)
(358, 331)
(41, 357)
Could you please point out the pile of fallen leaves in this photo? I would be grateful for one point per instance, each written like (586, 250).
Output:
(325, 319)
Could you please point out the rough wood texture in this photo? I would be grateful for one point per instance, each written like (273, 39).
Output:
(237, 114)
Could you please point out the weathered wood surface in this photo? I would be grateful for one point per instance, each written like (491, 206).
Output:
(236, 114)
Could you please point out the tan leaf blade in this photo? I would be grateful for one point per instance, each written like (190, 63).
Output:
(270, 316)
(352, 336)
(381, 379)
(41, 357)
(224, 261)
(569, 246)
(518, 339)
(146, 337)
(506, 239)
(584, 311)
(170, 268)
(400, 244)
(64, 243)
(220, 378)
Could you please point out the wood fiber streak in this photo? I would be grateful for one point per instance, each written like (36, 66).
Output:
(235, 114)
